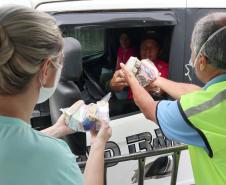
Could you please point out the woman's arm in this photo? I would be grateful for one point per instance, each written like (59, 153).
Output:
(60, 129)
(94, 171)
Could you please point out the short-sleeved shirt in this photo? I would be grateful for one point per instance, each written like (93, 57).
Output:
(173, 124)
(163, 67)
(28, 157)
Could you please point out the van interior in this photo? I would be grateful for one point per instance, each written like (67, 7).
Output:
(99, 53)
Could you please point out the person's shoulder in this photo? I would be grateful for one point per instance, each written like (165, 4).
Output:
(50, 143)
(120, 50)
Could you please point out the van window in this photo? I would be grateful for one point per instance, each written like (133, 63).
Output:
(91, 39)
(99, 47)
(120, 105)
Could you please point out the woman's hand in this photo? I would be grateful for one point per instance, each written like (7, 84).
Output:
(101, 136)
(60, 127)
(94, 171)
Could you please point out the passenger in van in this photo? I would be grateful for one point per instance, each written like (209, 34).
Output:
(31, 59)
(125, 51)
(150, 48)
(196, 117)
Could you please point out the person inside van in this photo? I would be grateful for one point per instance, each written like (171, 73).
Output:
(125, 51)
(196, 117)
(31, 60)
(150, 48)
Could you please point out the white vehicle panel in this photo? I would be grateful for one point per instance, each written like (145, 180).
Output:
(206, 4)
(122, 173)
(128, 126)
(110, 5)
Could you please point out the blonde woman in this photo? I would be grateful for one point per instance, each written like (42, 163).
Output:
(30, 65)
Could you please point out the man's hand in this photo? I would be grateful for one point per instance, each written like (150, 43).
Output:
(118, 81)
(153, 89)
(128, 75)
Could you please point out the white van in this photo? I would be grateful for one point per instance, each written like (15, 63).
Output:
(97, 25)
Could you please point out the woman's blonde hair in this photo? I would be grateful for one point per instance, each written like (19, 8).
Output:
(27, 37)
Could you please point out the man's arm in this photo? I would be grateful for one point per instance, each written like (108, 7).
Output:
(143, 100)
(141, 97)
(175, 89)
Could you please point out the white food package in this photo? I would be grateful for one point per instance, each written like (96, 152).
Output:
(87, 117)
(144, 70)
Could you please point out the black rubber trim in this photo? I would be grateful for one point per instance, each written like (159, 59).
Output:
(157, 120)
(197, 129)
(156, 111)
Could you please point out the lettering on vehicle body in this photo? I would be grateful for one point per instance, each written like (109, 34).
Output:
(136, 143)
(146, 142)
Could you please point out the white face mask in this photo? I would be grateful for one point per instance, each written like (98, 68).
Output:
(45, 93)
(188, 73)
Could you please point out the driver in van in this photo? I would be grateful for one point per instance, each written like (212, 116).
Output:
(197, 116)
(150, 48)
(31, 60)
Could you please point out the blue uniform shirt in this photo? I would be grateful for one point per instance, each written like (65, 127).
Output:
(28, 157)
(173, 124)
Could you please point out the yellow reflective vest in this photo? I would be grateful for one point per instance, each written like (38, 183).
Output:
(205, 111)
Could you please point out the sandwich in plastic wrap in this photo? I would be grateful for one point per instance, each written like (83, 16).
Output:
(86, 117)
(144, 70)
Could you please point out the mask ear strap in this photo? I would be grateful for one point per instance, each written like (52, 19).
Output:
(40, 81)
(41, 70)
(188, 72)
(56, 65)
(40, 74)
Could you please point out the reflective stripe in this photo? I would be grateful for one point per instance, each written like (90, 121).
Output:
(206, 105)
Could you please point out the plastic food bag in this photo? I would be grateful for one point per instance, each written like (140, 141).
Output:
(144, 70)
(87, 117)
